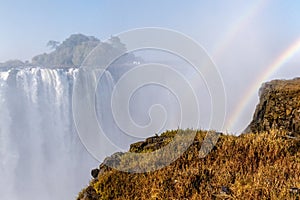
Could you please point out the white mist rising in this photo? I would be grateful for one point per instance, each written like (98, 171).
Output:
(41, 156)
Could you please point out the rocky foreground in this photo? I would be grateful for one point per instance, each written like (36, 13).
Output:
(263, 164)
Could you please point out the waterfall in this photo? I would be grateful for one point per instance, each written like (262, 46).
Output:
(41, 156)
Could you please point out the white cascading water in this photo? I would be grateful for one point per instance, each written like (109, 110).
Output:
(41, 156)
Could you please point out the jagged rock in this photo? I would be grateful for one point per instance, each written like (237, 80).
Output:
(95, 173)
(279, 107)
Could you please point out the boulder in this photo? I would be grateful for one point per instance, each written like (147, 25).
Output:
(95, 173)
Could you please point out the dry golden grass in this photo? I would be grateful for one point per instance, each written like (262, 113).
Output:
(250, 166)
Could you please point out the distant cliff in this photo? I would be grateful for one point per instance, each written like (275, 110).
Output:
(72, 52)
(278, 108)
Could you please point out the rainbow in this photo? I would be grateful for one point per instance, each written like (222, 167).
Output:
(236, 27)
(227, 39)
(252, 90)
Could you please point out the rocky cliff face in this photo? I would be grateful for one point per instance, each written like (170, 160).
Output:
(279, 107)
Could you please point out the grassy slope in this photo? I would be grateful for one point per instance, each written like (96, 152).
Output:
(251, 166)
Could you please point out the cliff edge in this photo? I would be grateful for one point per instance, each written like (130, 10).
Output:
(278, 108)
(249, 166)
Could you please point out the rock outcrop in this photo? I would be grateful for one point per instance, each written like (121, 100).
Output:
(249, 166)
(279, 107)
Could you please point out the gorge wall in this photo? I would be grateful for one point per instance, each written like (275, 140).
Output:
(278, 108)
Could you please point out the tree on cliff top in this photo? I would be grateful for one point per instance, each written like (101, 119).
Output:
(74, 49)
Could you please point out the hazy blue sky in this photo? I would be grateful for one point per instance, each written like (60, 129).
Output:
(27, 25)
(243, 37)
